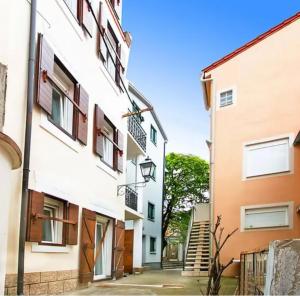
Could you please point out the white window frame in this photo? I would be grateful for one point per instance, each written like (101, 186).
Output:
(234, 97)
(56, 227)
(267, 207)
(265, 141)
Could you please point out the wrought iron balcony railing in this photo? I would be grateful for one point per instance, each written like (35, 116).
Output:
(131, 198)
(138, 133)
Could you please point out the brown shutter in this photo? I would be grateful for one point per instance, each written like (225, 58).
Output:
(45, 65)
(119, 249)
(87, 246)
(120, 153)
(34, 225)
(118, 72)
(82, 123)
(101, 47)
(85, 16)
(72, 229)
(98, 126)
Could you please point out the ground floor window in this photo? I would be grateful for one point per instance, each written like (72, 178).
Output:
(152, 245)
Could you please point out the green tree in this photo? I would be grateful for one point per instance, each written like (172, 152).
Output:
(186, 183)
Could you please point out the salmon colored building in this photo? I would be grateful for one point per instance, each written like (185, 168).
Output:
(253, 95)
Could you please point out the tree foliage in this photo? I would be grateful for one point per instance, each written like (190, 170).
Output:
(186, 183)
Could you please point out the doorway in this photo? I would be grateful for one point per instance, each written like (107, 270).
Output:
(128, 253)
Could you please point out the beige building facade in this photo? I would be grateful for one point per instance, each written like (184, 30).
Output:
(252, 95)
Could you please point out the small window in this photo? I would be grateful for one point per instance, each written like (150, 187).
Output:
(62, 108)
(267, 217)
(226, 98)
(153, 135)
(53, 230)
(108, 143)
(151, 211)
(152, 245)
(267, 158)
(73, 6)
(111, 56)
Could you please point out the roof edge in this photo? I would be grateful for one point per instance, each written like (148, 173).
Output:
(252, 42)
(134, 90)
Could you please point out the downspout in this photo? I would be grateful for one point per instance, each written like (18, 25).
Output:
(211, 152)
(162, 208)
(27, 146)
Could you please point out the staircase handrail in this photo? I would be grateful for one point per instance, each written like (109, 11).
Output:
(188, 236)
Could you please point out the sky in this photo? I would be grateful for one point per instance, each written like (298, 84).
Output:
(174, 40)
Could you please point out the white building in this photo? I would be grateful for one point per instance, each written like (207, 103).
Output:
(79, 143)
(152, 194)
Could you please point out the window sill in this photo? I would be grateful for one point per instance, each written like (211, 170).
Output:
(58, 134)
(152, 220)
(277, 174)
(153, 253)
(37, 248)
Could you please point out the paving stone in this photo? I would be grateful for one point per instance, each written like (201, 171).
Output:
(56, 287)
(32, 278)
(49, 276)
(10, 280)
(70, 285)
(39, 289)
(75, 274)
(64, 275)
(13, 290)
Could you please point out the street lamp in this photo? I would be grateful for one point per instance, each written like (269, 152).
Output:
(147, 171)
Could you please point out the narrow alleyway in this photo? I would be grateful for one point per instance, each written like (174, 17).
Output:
(166, 282)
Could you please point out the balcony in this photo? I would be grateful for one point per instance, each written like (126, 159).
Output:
(131, 198)
(137, 132)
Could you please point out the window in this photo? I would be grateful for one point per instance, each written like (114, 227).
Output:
(73, 6)
(153, 135)
(62, 108)
(111, 56)
(226, 98)
(108, 143)
(152, 245)
(153, 176)
(267, 158)
(151, 211)
(267, 217)
(52, 232)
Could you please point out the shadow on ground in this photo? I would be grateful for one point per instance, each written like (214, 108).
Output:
(162, 282)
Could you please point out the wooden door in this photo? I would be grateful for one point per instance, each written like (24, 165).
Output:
(128, 252)
(119, 249)
(87, 246)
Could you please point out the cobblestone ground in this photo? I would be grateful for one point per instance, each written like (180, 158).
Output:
(166, 282)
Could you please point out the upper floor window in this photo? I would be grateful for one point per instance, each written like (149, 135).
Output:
(62, 97)
(153, 135)
(111, 57)
(108, 143)
(152, 245)
(151, 211)
(266, 158)
(226, 98)
(73, 6)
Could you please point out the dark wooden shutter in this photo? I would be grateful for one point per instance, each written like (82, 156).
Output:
(87, 246)
(119, 249)
(72, 229)
(82, 124)
(85, 16)
(34, 230)
(119, 68)
(120, 153)
(45, 65)
(101, 47)
(98, 126)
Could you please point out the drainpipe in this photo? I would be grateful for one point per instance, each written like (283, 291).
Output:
(27, 144)
(162, 208)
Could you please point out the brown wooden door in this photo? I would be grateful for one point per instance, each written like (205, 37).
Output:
(119, 249)
(87, 246)
(128, 252)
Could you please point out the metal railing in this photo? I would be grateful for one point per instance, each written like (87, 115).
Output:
(138, 133)
(131, 198)
(186, 246)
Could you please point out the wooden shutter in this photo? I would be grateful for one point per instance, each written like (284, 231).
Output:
(72, 229)
(101, 47)
(119, 152)
(82, 123)
(119, 249)
(34, 230)
(98, 126)
(86, 17)
(87, 246)
(45, 65)
(119, 68)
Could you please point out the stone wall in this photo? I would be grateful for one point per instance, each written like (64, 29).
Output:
(3, 76)
(44, 283)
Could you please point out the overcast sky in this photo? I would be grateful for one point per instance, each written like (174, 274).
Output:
(174, 40)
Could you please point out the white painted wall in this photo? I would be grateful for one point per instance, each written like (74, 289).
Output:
(60, 166)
